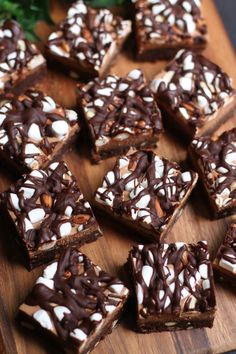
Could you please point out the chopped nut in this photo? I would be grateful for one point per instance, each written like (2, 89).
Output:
(46, 200)
(159, 210)
(81, 218)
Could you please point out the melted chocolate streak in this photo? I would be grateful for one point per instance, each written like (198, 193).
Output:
(9, 45)
(165, 28)
(187, 258)
(19, 118)
(90, 294)
(179, 97)
(142, 165)
(64, 192)
(215, 152)
(92, 31)
(110, 118)
(227, 250)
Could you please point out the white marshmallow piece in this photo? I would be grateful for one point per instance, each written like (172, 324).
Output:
(96, 317)
(47, 282)
(135, 74)
(43, 318)
(203, 270)
(15, 201)
(78, 334)
(60, 311)
(186, 176)
(60, 128)
(48, 104)
(34, 133)
(36, 215)
(117, 288)
(65, 229)
(50, 270)
(147, 272)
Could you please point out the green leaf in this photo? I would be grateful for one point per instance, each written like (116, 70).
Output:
(26, 12)
(104, 3)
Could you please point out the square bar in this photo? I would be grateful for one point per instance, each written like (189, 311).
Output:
(34, 130)
(145, 192)
(87, 41)
(21, 63)
(195, 95)
(174, 286)
(49, 212)
(215, 160)
(74, 302)
(120, 113)
(224, 264)
(163, 27)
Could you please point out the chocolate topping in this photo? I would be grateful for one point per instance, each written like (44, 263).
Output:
(145, 188)
(16, 53)
(172, 278)
(217, 161)
(193, 87)
(47, 205)
(116, 106)
(87, 34)
(226, 255)
(75, 297)
(31, 126)
(169, 22)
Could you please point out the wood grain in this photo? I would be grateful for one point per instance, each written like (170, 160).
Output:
(111, 250)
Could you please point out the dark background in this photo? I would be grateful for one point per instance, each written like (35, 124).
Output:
(227, 10)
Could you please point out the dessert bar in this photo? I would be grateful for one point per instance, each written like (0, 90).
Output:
(195, 95)
(74, 302)
(87, 41)
(119, 113)
(49, 212)
(145, 192)
(34, 130)
(21, 63)
(174, 286)
(215, 160)
(162, 27)
(224, 264)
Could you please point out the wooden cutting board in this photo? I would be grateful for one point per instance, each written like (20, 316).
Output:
(110, 252)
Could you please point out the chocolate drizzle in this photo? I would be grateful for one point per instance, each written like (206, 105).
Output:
(47, 205)
(172, 278)
(31, 125)
(226, 255)
(85, 293)
(193, 88)
(87, 34)
(145, 188)
(114, 106)
(217, 161)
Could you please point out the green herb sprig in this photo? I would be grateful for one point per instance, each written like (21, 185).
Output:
(26, 12)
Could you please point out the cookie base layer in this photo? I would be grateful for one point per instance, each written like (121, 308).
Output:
(28, 80)
(166, 52)
(223, 275)
(172, 323)
(116, 148)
